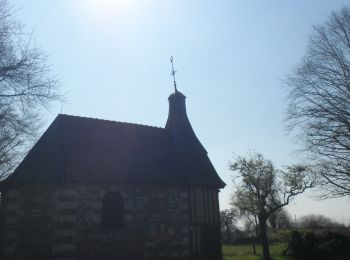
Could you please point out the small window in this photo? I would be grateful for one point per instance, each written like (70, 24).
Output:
(112, 211)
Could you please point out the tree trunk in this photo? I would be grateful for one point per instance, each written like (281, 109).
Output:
(256, 226)
(263, 237)
(254, 248)
(228, 235)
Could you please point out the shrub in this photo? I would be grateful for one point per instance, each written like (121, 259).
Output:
(325, 245)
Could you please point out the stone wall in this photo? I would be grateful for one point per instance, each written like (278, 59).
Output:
(64, 221)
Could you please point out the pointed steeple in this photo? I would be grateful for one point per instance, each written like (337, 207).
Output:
(183, 136)
(173, 72)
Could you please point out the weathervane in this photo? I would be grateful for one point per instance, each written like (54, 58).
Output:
(173, 72)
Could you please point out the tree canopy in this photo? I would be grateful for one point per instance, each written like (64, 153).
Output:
(261, 189)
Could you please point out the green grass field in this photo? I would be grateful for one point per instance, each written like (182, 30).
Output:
(245, 252)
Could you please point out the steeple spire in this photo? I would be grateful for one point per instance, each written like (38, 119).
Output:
(173, 72)
(182, 134)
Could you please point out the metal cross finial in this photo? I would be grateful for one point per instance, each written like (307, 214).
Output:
(173, 72)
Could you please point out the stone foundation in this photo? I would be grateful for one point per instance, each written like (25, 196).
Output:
(64, 222)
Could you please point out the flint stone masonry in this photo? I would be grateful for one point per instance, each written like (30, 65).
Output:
(60, 221)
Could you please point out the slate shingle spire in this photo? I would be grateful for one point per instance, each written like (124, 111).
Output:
(183, 136)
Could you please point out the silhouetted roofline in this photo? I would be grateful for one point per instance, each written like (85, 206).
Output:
(110, 121)
(81, 149)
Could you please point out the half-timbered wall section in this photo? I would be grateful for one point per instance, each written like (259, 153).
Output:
(205, 223)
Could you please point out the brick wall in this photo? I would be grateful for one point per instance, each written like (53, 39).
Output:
(63, 221)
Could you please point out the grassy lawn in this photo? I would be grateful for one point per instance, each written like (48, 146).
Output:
(245, 252)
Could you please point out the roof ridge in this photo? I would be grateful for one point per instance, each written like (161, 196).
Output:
(110, 121)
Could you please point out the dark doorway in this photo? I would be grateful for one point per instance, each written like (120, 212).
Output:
(112, 211)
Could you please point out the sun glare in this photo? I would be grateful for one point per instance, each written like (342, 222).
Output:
(104, 5)
(106, 9)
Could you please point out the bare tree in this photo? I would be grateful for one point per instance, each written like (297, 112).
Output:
(228, 220)
(26, 86)
(247, 209)
(251, 221)
(266, 189)
(319, 98)
(280, 219)
(317, 222)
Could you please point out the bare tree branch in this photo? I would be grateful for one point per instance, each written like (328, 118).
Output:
(26, 86)
(319, 97)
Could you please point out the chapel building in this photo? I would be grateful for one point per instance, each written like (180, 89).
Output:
(98, 189)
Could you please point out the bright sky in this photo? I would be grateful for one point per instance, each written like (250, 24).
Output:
(113, 59)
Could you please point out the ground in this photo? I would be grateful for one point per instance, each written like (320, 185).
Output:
(245, 252)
